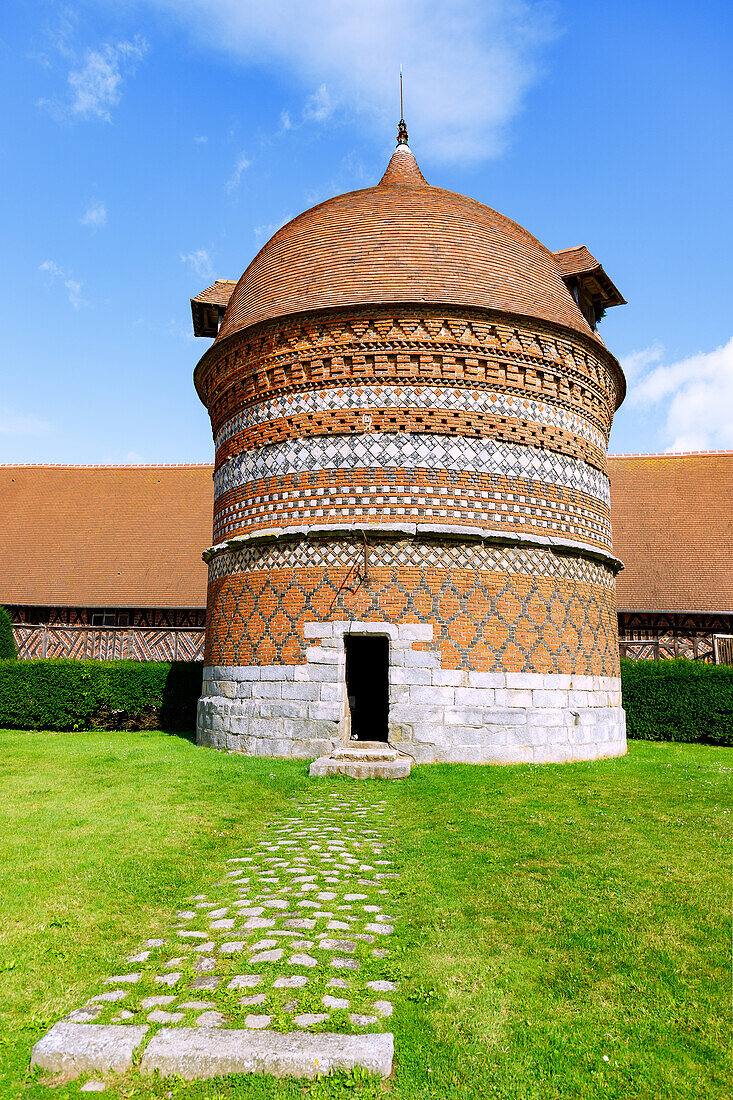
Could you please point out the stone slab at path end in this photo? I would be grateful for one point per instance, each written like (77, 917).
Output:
(283, 966)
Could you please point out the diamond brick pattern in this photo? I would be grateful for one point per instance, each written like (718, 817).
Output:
(485, 617)
(398, 452)
(410, 397)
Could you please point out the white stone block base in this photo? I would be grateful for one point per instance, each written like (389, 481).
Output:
(436, 715)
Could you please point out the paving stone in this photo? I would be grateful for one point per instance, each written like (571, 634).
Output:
(257, 1022)
(84, 1015)
(141, 957)
(308, 1019)
(244, 981)
(123, 1015)
(93, 1086)
(345, 964)
(197, 1004)
(334, 1002)
(267, 956)
(293, 981)
(113, 995)
(118, 979)
(228, 922)
(338, 983)
(158, 1016)
(154, 943)
(205, 983)
(72, 1049)
(361, 1021)
(303, 960)
(253, 999)
(174, 962)
(156, 1002)
(381, 986)
(232, 948)
(383, 1008)
(168, 979)
(380, 952)
(210, 1019)
(210, 946)
(262, 945)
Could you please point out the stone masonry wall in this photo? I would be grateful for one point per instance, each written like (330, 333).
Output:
(435, 714)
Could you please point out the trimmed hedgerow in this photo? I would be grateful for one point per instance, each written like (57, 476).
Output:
(82, 695)
(7, 641)
(678, 701)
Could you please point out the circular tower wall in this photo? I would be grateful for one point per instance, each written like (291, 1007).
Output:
(426, 468)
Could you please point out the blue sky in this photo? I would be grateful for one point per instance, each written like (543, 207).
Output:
(151, 146)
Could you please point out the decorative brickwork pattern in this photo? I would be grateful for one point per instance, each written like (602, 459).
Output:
(481, 500)
(473, 349)
(490, 608)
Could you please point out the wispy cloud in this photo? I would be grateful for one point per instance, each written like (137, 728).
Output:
(95, 84)
(95, 215)
(12, 423)
(241, 165)
(319, 106)
(200, 262)
(694, 396)
(73, 286)
(468, 63)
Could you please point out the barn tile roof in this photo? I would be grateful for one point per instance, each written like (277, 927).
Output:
(672, 518)
(402, 241)
(105, 536)
(132, 536)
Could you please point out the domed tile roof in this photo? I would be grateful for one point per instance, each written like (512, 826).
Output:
(402, 241)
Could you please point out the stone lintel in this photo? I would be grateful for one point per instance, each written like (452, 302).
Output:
(197, 1052)
(70, 1049)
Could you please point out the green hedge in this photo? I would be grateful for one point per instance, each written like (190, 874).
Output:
(678, 701)
(82, 695)
(7, 641)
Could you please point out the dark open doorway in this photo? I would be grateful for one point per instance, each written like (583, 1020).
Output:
(367, 687)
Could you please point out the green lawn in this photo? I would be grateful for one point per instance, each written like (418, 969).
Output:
(565, 928)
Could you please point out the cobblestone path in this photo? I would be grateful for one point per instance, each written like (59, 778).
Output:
(295, 935)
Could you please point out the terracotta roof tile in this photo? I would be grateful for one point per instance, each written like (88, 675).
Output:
(402, 241)
(672, 519)
(132, 536)
(105, 536)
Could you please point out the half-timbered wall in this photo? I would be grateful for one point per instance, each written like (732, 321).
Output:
(109, 634)
(657, 636)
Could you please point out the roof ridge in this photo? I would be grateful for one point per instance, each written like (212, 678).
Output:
(671, 454)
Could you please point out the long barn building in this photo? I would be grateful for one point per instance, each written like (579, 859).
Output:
(105, 561)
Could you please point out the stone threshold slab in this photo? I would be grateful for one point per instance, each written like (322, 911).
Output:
(195, 1053)
(70, 1049)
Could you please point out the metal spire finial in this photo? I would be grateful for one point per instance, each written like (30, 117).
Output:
(402, 138)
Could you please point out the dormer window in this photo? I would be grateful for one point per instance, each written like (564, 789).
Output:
(588, 283)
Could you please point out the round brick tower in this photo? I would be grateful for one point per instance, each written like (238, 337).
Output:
(411, 409)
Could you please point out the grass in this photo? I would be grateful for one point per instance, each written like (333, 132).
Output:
(566, 928)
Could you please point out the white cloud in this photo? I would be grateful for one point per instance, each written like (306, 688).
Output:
(200, 262)
(201, 140)
(95, 86)
(319, 106)
(694, 396)
(95, 215)
(468, 63)
(12, 423)
(73, 286)
(241, 165)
